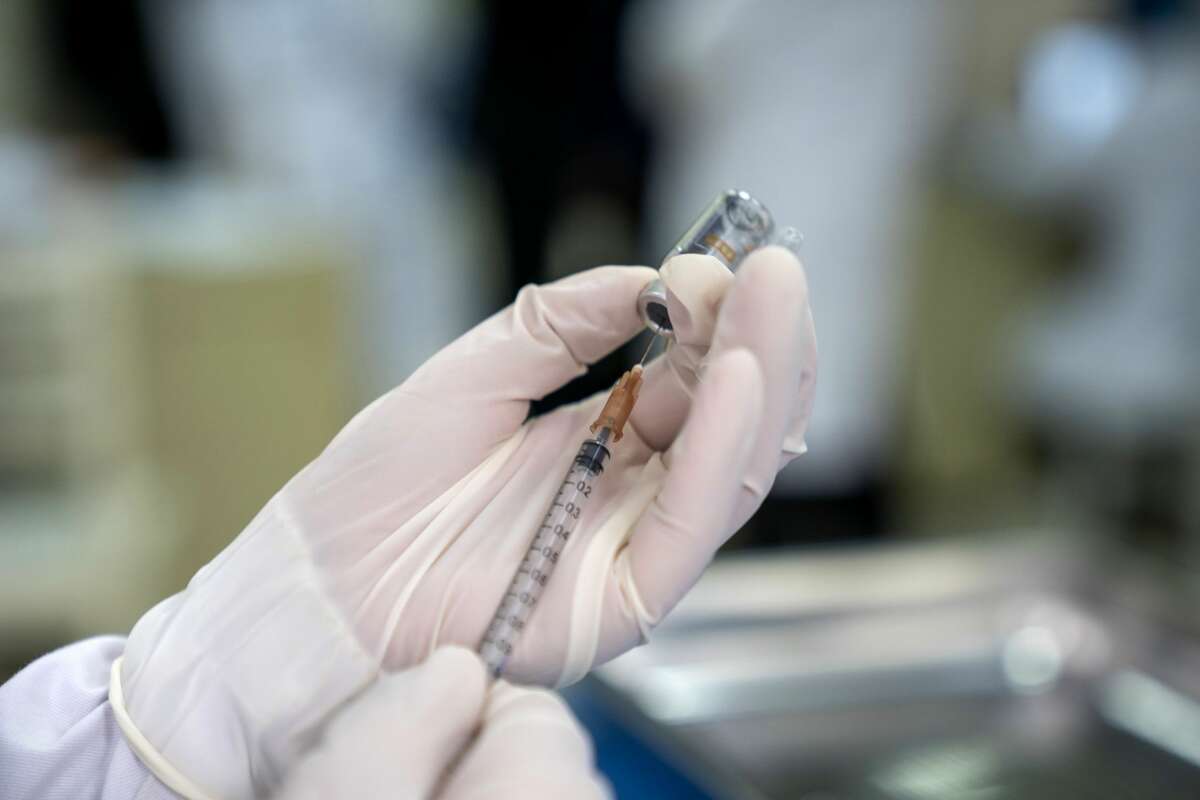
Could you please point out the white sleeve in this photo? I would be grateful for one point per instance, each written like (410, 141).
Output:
(58, 737)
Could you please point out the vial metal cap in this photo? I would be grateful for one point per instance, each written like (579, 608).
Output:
(652, 305)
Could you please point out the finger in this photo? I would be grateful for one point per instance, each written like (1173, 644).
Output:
(696, 287)
(676, 536)
(529, 747)
(399, 736)
(545, 338)
(480, 386)
(767, 313)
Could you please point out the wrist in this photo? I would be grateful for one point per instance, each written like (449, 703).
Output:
(228, 681)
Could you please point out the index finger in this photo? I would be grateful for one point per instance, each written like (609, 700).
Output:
(549, 335)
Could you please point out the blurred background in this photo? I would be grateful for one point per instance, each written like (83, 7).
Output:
(227, 225)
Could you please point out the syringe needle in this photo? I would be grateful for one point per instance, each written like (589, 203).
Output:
(649, 347)
(559, 523)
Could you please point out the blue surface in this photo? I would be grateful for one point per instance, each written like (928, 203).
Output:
(632, 766)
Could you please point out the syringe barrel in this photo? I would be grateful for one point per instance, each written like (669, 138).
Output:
(552, 535)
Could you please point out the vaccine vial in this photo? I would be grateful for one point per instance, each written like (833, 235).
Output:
(731, 227)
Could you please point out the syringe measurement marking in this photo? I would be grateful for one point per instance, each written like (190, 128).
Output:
(540, 558)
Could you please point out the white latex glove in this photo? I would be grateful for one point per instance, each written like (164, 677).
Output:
(404, 533)
(405, 737)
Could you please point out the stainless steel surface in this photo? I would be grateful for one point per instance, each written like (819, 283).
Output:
(945, 672)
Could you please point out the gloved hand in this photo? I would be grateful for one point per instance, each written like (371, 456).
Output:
(403, 534)
(405, 736)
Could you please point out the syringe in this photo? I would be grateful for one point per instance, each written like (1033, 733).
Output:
(559, 523)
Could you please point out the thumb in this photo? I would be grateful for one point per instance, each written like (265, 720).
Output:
(399, 736)
(696, 287)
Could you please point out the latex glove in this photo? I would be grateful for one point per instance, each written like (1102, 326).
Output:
(438, 730)
(404, 533)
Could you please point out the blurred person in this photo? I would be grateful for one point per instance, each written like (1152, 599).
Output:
(401, 538)
(565, 153)
(781, 97)
(337, 104)
(568, 152)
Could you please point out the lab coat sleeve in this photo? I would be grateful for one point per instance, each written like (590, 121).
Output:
(58, 736)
